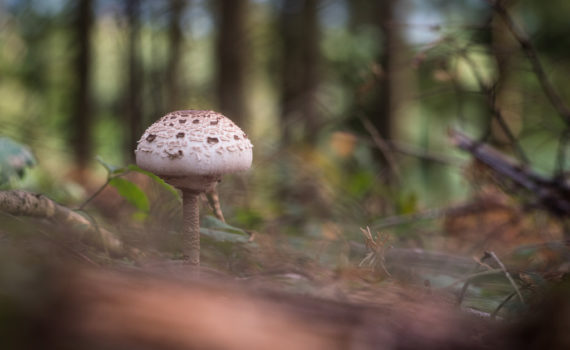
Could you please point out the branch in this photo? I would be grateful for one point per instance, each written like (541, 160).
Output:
(507, 274)
(402, 148)
(496, 112)
(22, 203)
(383, 146)
(552, 194)
(532, 56)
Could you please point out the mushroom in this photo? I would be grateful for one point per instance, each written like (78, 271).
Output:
(191, 150)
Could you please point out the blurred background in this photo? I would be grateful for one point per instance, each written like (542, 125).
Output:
(353, 108)
(348, 104)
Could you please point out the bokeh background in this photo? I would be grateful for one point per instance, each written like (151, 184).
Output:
(348, 103)
(357, 196)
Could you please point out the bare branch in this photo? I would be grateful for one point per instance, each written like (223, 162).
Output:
(496, 112)
(399, 147)
(552, 194)
(519, 34)
(383, 146)
(507, 274)
(22, 203)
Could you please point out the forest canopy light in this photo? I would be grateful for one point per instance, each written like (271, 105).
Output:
(191, 150)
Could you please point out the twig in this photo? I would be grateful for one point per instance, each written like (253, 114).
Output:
(467, 282)
(532, 56)
(507, 274)
(377, 249)
(496, 112)
(561, 152)
(462, 292)
(471, 277)
(409, 218)
(414, 152)
(429, 214)
(383, 146)
(496, 311)
(94, 194)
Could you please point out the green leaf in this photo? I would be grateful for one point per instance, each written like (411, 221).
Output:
(14, 159)
(155, 178)
(221, 236)
(211, 222)
(131, 192)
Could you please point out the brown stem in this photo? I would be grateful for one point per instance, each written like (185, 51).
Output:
(191, 230)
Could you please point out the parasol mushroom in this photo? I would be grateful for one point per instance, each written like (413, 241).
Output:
(191, 150)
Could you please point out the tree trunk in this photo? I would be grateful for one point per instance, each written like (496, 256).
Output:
(376, 98)
(232, 51)
(174, 98)
(82, 118)
(299, 30)
(382, 109)
(133, 104)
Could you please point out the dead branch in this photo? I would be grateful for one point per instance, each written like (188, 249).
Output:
(507, 274)
(551, 194)
(526, 45)
(495, 111)
(405, 149)
(22, 203)
(383, 146)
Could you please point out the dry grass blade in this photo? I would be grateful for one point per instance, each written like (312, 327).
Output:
(377, 248)
(507, 274)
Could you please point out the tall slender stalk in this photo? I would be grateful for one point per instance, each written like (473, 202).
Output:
(191, 230)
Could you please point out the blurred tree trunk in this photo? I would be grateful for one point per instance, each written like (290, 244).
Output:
(232, 51)
(133, 123)
(174, 98)
(376, 98)
(508, 97)
(382, 107)
(361, 12)
(299, 29)
(82, 118)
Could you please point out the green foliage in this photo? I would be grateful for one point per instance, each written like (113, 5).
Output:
(210, 222)
(223, 238)
(15, 158)
(130, 191)
(248, 217)
(360, 183)
(156, 179)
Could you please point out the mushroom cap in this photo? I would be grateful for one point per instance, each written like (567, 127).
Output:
(193, 142)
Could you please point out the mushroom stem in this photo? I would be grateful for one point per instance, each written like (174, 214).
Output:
(191, 230)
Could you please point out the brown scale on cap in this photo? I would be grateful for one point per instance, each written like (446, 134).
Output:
(178, 135)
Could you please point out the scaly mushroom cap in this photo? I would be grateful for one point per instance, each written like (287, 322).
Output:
(190, 143)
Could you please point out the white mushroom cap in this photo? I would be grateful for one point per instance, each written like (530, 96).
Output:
(189, 143)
